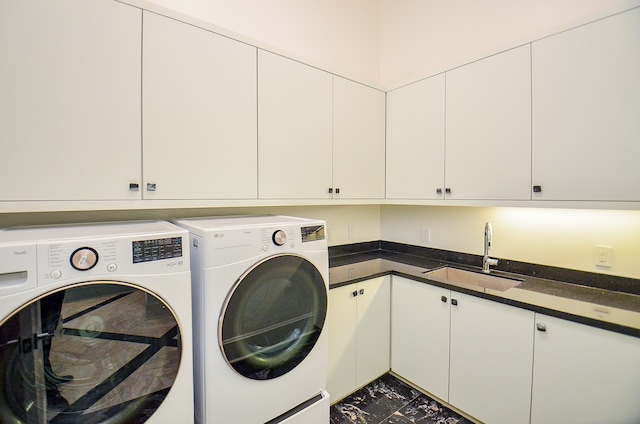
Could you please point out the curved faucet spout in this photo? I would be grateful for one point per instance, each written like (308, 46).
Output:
(486, 260)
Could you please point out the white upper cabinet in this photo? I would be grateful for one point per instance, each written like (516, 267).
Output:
(358, 140)
(463, 135)
(70, 108)
(294, 129)
(586, 112)
(415, 140)
(488, 128)
(199, 113)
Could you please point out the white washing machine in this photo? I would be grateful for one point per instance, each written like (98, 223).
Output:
(95, 324)
(260, 289)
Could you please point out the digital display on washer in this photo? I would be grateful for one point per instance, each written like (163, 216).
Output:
(313, 233)
(157, 249)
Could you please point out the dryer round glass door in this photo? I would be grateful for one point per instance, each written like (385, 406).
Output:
(99, 352)
(273, 317)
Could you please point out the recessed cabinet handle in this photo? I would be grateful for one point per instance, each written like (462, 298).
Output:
(337, 190)
(541, 327)
(444, 299)
(439, 190)
(151, 186)
(454, 302)
(355, 293)
(330, 190)
(361, 291)
(447, 190)
(537, 189)
(134, 186)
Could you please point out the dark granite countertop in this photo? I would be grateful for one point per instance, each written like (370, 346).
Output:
(596, 306)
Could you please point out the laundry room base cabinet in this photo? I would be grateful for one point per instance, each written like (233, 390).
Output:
(584, 374)
(420, 334)
(470, 352)
(359, 335)
(491, 355)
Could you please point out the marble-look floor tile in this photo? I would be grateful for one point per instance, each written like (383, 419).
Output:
(424, 410)
(389, 400)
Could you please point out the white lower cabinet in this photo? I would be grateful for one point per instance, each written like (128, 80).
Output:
(583, 374)
(420, 335)
(359, 333)
(473, 353)
(490, 359)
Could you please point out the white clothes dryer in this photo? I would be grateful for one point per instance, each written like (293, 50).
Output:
(260, 286)
(95, 324)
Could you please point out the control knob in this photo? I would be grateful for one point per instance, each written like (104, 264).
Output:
(84, 259)
(279, 238)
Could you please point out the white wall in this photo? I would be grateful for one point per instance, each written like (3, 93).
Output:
(387, 43)
(564, 238)
(364, 220)
(555, 237)
(419, 38)
(336, 35)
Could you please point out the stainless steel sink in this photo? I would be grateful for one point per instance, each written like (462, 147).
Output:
(470, 279)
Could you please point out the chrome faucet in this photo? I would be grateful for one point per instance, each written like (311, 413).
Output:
(486, 260)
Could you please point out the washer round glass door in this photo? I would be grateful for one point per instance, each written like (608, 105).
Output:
(273, 317)
(97, 352)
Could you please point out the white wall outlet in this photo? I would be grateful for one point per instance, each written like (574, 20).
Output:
(603, 255)
(425, 234)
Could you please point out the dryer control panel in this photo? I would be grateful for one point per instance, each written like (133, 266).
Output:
(280, 237)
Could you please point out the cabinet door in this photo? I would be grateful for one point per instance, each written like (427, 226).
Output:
(70, 109)
(342, 316)
(488, 127)
(199, 117)
(358, 140)
(420, 335)
(584, 375)
(373, 329)
(294, 129)
(415, 140)
(586, 99)
(491, 359)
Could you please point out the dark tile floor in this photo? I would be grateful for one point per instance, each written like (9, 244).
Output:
(389, 400)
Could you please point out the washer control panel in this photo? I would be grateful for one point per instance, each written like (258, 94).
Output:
(156, 249)
(107, 256)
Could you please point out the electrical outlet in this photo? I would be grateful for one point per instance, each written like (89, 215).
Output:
(425, 234)
(603, 256)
